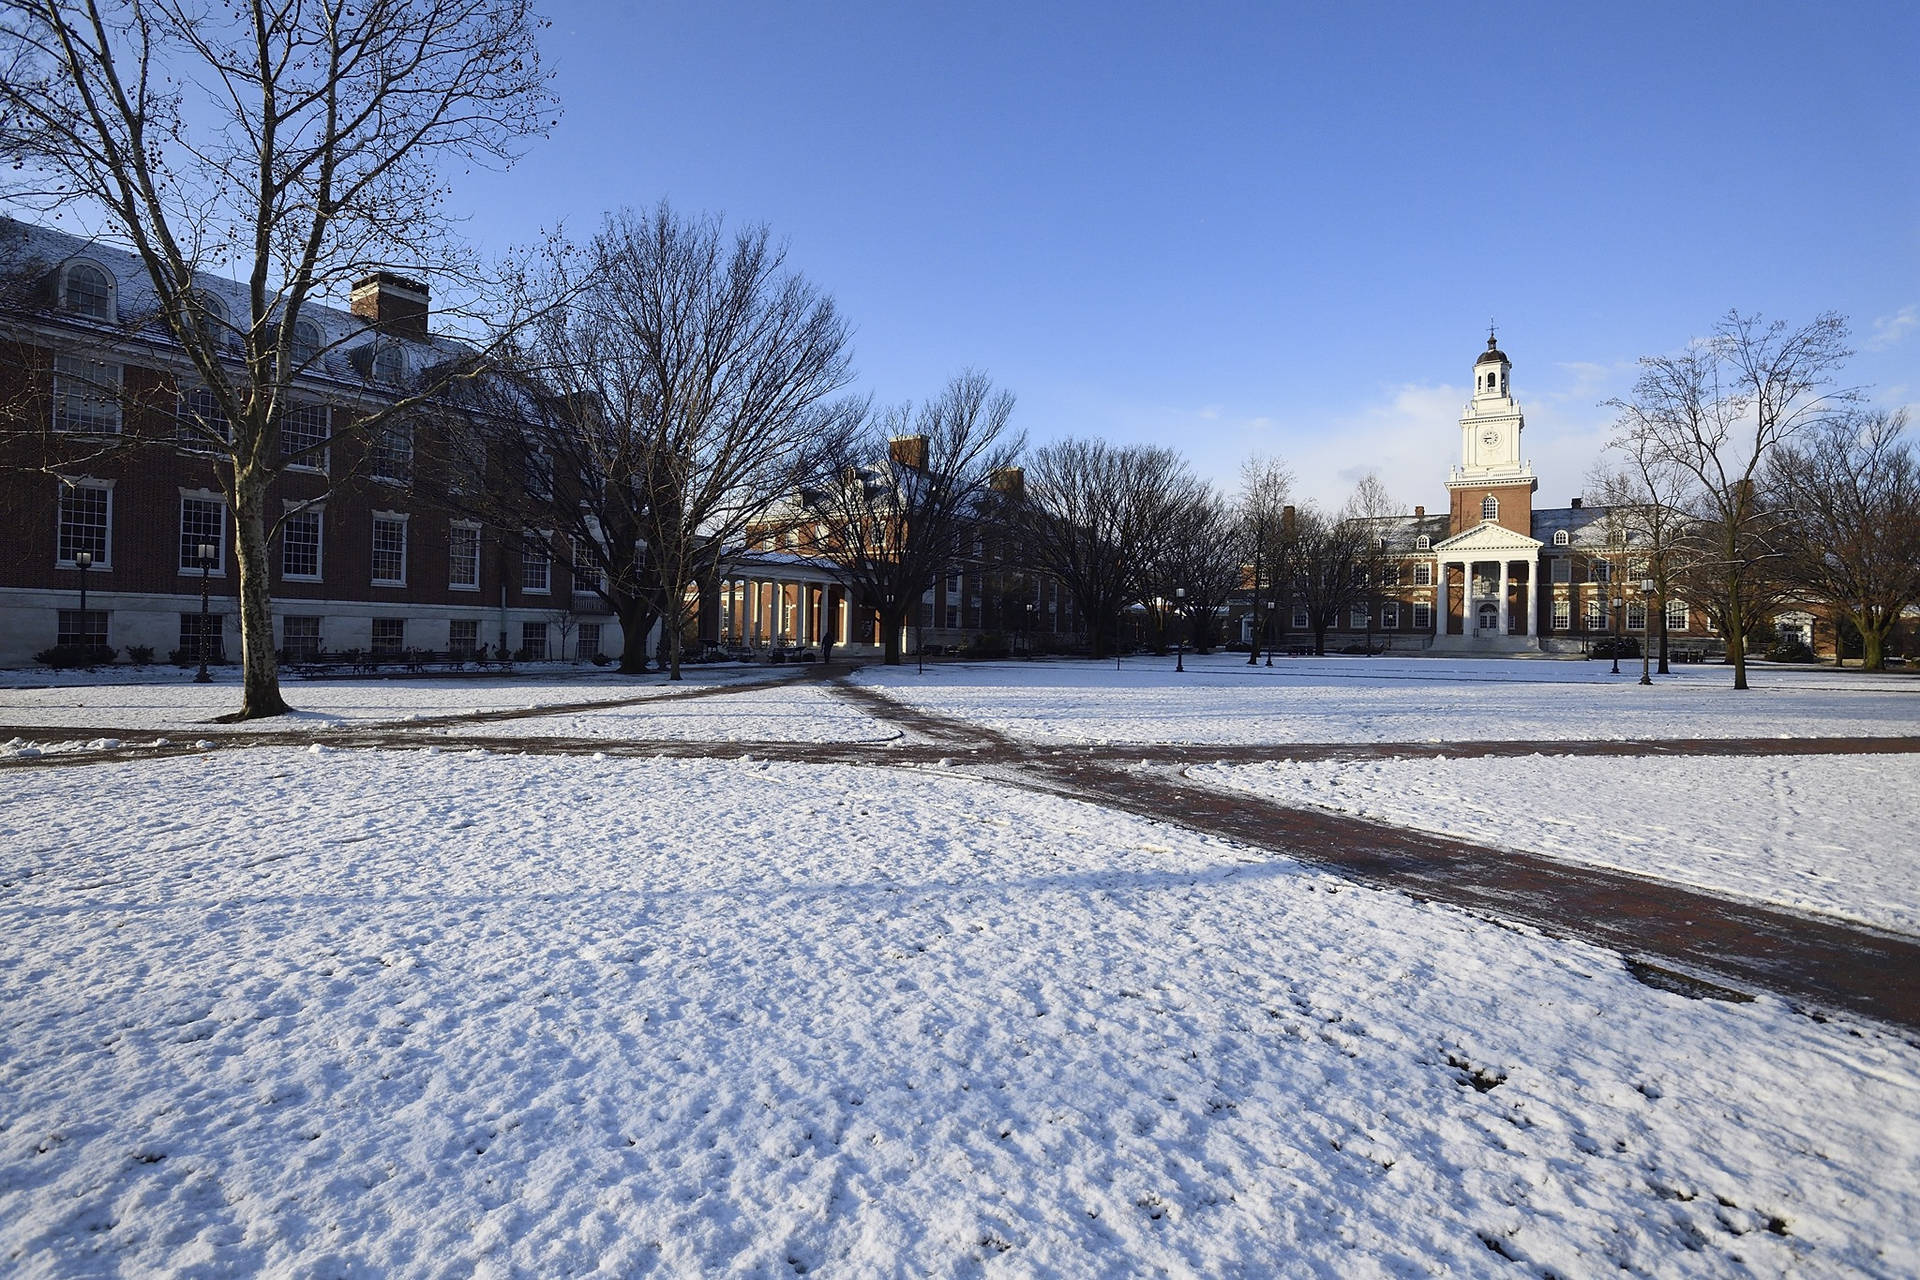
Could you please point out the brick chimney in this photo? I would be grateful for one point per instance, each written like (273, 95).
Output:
(392, 303)
(909, 451)
(1576, 504)
(1286, 521)
(1419, 513)
(1009, 482)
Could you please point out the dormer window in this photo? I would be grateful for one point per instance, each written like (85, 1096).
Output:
(87, 291)
(1423, 543)
(306, 342)
(389, 364)
(1490, 508)
(1560, 538)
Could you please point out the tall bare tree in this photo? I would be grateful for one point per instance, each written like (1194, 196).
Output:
(1650, 492)
(1850, 498)
(1095, 518)
(908, 494)
(1715, 412)
(1265, 485)
(1328, 554)
(1373, 509)
(1198, 553)
(295, 144)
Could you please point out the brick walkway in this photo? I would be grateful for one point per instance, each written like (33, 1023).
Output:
(1686, 940)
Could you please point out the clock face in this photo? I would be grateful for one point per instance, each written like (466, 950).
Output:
(1490, 437)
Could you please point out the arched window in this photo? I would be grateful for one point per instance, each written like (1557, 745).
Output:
(1560, 538)
(86, 290)
(306, 341)
(1489, 617)
(1490, 508)
(1423, 543)
(389, 364)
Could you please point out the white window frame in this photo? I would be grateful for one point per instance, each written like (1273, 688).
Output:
(105, 559)
(113, 290)
(319, 516)
(389, 517)
(373, 628)
(1422, 616)
(1563, 615)
(1390, 616)
(453, 529)
(1301, 620)
(186, 433)
(1561, 538)
(544, 539)
(1359, 617)
(1679, 609)
(1489, 508)
(1596, 615)
(1636, 607)
(219, 569)
(101, 384)
(1600, 572)
(587, 577)
(1560, 569)
(1423, 574)
(325, 455)
(379, 447)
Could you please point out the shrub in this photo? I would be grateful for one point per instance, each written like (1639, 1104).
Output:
(140, 654)
(1785, 649)
(65, 657)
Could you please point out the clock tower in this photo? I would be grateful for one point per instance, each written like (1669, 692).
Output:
(1493, 481)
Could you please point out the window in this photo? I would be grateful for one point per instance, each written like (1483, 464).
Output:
(1300, 622)
(86, 521)
(539, 475)
(304, 431)
(1596, 616)
(306, 342)
(389, 635)
(1489, 616)
(1561, 538)
(533, 640)
(203, 520)
(389, 549)
(1563, 615)
(1636, 615)
(200, 424)
(300, 545)
(1389, 616)
(1422, 616)
(216, 633)
(389, 364)
(1423, 543)
(463, 637)
(953, 582)
(536, 564)
(1489, 508)
(87, 291)
(953, 614)
(1677, 619)
(86, 395)
(1423, 575)
(1390, 575)
(587, 577)
(1602, 571)
(1358, 617)
(463, 557)
(1562, 569)
(589, 641)
(300, 639)
(74, 628)
(393, 453)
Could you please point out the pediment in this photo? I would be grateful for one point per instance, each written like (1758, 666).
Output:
(1488, 536)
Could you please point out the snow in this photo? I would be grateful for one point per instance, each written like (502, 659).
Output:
(372, 1013)
(169, 700)
(1833, 834)
(1221, 700)
(779, 713)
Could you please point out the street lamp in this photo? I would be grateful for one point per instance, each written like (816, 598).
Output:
(1616, 635)
(1646, 602)
(1029, 631)
(1271, 605)
(1179, 607)
(206, 568)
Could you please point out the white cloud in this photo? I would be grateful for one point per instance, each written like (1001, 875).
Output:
(1888, 330)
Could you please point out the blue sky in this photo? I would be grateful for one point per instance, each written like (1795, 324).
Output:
(1283, 228)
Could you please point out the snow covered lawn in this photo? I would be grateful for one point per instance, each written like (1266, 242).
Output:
(1221, 700)
(778, 713)
(169, 700)
(383, 1013)
(1834, 834)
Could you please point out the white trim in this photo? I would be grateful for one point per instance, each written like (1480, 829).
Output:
(402, 518)
(220, 549)
(318, 510)
(452, 583)
(113, 290)
(82, 482)
(94, 378)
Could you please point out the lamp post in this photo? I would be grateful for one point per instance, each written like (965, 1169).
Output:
(1253, 650)
(206, 568)
(1616, 635)
(1646, 603)
(84, 560)
(1179, 610)
(1029, 631)
(1271, 606)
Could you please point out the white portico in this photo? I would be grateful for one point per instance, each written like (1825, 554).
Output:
(1487, 591)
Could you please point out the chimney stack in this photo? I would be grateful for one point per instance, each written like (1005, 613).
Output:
(1576, 504)
(909, 451)
(1009, 482)
(1419, 513)
(392, 303)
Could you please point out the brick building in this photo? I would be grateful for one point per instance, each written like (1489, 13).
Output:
(106, 479)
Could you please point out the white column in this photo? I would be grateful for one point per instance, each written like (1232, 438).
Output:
(806, 613)
(1533, 600)
(1500, 585)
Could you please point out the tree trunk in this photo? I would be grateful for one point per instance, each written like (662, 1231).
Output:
(675, 636)
(1873, 645)
(1319, 642)
(1664, 670)
(891, 625)
(260, 666)
(635, 622)
(1736, 634)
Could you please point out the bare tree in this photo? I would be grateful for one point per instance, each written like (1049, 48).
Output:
(1265, 486)
(1850, 498)
(311, 152)
(1095, 519)
(677, 384)
(1373, 509)
(908, 494)
(1652, 493)
(1200, 554)
(1715, 412)
(1328, 555)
